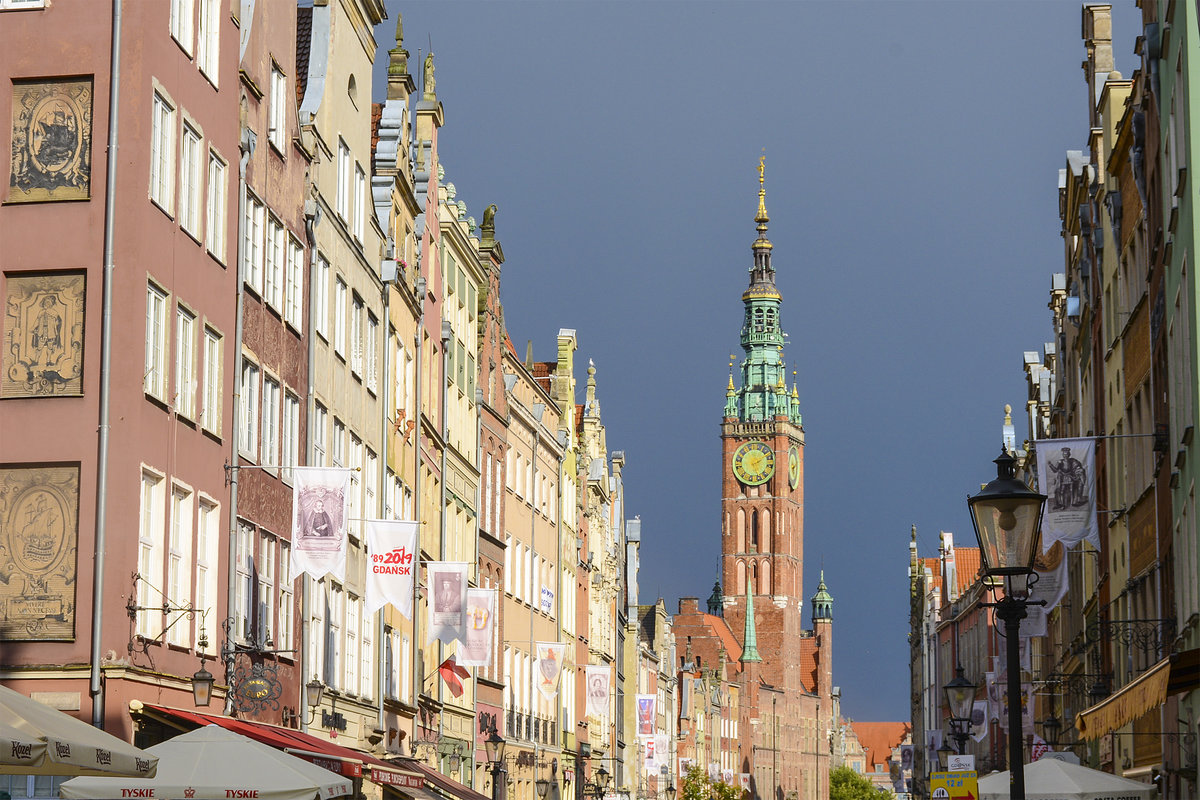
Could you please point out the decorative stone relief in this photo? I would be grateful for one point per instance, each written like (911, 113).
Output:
(43, 335)
(51, 141)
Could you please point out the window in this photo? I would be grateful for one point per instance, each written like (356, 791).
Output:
(293, 301)
(270, 422)
(248, 443)
(264, 614)
(185, 362)
(179, 558)
(353, 610)
(183, 17)
(150, 547)
(356, 336)
(338, 453)
(208, 40)
(356, 484)
(370, 480)
(207, 541)
(335, 613)
(320, 420)
(340, 300)
(252, 251)
(215, 235)
(359, 202)
(321, 296)
(372, 352)
(155, 372)
(162, 153)
(283, 638)
(243, 588)
(276, 254)
(189, 181)
(367, 651)
(277, 130)
(343, 181)
(210, 414)
(290, 438)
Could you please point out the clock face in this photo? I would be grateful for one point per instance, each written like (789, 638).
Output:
(754, 463)
(793, 466)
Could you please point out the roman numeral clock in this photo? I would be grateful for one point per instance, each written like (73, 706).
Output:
(754, 463)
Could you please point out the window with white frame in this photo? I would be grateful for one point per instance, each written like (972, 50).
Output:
(264, 614)
(248, 442)
(341, 301)
(190, 153)
(319, 423)
(210, 413)
(338, 451)
(391, 664)
(252, 249)
(371, 352)
(270, 421)
(185, 362)
(356, 484)
(150, 553)
(405, 667)
(356, 335)
(179, 559)
(293, 302)
(321, 296)
(345, 174)
(350, 667)
(284, 638)
(162, 153)
(316, 628)
(244, 581)
(183, 18)
(207, 542)
(290, 438)
(359, 203)
(155, 372)
(275, 258)
(277, 126)
(215, 210)
(366, 648)
(208, 39)
(370, 479)
(335, 615)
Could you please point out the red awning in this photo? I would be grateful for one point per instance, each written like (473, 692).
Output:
(446, 785)
(323, 753)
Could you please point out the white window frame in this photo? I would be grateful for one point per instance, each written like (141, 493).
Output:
(190, 184)
(371, 356)
(244, 569)
(350, 657)
(265, 613)
(283, 636)
(252, 272)
(162, 153)
(215, 211)
(275, 257)
(151, 534)
(277, 112)
(319, 424)
(185, 362)
(179, 558)
(249, 436)
(357, 309)
(341, 300)
(358, 203)
(293, 301)
(210, 411)
(157, 336)
(289, 448)
(344, 177)
(321, 296)
(208, 525)
(208, 39)
(270, 421)
(183, 24)
(366, 648)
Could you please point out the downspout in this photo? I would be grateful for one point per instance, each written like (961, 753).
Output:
(95, 688)
(478, 511)
(312, 220)
(445, 433)
(417, 655)
(246, 145)
(385, 438)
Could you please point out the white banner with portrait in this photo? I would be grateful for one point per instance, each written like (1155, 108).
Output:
(391, 564)
(599, 684)
(549, 667)
(447, 606)
(476, 649)
(320, 511)
(1051, 570)
(1067, 476)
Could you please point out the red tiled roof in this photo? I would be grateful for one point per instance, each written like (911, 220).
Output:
(808, 664)
(543, 368)
(966, 567)
(733, 650)
(878, 739)
(376, 115)
(578, 416)
(303, 46)
(512, 348)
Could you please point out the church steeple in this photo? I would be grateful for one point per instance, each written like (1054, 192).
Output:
(750, 633)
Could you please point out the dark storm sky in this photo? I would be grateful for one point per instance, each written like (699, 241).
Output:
(913, 151)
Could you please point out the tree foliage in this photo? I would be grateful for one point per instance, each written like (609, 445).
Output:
(696, 785)
(846, 784)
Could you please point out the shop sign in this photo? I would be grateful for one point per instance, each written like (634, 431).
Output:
(397, 778)
(333, 720)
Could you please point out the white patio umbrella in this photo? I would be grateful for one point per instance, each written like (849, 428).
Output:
(212, 763)
(1051, 779)
(38, 740)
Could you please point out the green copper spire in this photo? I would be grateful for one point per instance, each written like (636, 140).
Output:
(749, 637)
(822, 601)
(763, 393)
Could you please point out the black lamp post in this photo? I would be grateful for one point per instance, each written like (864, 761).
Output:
(1006, 514)
(494, 747)
(960, 697)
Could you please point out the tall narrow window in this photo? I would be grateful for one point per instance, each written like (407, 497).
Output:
(207, 542)
(264, 614)
(216, 208)
(185, 363)
(252, 251)
(243, 588)
(341, 299)
(208, 39)
(270, 422)
(183, 17)
(248, 441)
(283, 637)
(367, 673)
(359, 202)
(335, 616)
(290, 438)
(162, 153)
(338, 453)
(371, 352)
(319, 422)
(344, 177)
(277, 132)
(155, 372)
(211, 412)
(150, 554)
(321, 296)
(293, 302)
(356, 336)
(179, 558)
(189, 181)
(276, 254)
(353, 610)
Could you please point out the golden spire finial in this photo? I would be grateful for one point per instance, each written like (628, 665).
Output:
(730, 388)
(761, 216)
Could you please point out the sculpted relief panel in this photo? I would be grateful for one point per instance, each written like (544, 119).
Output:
(43, 335)
(51, 141)
(39, 518)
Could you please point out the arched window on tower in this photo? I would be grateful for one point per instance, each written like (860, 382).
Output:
(766, 530)
(741, 576)
(754, 531)
(741, 530)
(753, 578)
(765, 577)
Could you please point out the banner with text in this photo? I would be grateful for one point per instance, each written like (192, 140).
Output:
(320, 511)
(1067, 476)
(391, 564)
(447, 581)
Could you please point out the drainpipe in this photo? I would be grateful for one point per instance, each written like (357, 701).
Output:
(478, 511)
(417, 655)
(312, 214)
(95, 687)
(389, 273)
(445, 431)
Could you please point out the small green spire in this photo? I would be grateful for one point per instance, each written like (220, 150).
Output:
(750, 637)
(822, 601)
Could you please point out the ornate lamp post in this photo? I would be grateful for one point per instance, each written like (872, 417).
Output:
(1006, 514)
(494, 747)
(960, 698)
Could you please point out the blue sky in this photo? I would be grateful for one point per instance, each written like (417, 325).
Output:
(913, 151)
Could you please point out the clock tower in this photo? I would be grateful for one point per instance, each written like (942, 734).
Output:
(762, 466)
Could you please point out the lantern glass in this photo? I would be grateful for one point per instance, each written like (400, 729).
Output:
(960, 697)
(202, 686)
(1006, 514)
(602, 778)
(542, 785)
(314, 690)
(494, 745)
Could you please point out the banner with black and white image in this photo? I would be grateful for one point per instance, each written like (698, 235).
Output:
(447, 606)
(1067, 476)
(599, 683)
(320, 511)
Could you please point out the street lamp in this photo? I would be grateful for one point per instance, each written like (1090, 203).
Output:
(671, 792)
(960, 697)
(602, 778)
(1006, 514)
(542, 785)
(202, 685)
(314, 690)
(944, 752)
(494, 747)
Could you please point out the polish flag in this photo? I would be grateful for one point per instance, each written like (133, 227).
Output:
(453, 674)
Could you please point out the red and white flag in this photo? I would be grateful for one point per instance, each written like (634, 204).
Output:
(453, 675)
(391, 564)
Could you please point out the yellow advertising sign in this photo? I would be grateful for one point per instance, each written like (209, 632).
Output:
(954, 785)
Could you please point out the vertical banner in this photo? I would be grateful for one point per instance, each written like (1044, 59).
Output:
(448, 600)
(320, 508)
(662, 752)
(1067, 476)
(549, 667)
(476, 649)
(599, 681)
(979, 720)
(1051, 569)
(391, 564)
(645, 715)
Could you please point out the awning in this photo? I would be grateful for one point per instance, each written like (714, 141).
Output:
(333, 757)
(1147, 692)
(447, 786)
